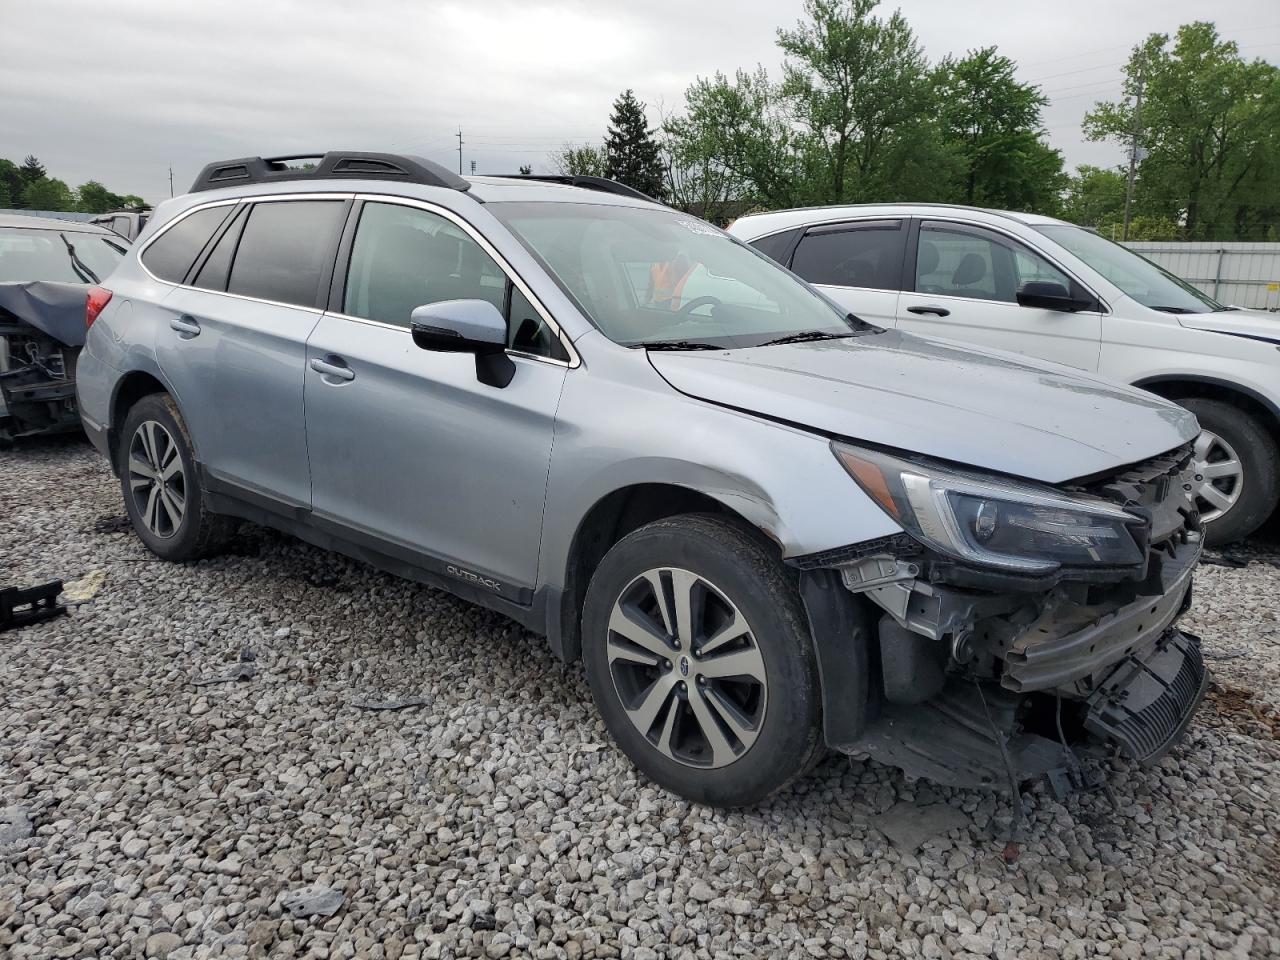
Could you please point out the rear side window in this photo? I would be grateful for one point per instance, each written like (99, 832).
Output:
(853, 255)
(777, 246)
(284, 250)
(170, 256)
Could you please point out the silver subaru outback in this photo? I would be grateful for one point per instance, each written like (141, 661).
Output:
(766, 527)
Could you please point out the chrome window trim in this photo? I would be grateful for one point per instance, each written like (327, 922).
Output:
(405, 330)
(225, 203)
(574, 359)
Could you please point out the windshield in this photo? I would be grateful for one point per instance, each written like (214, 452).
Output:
(653, 277)
(67, 256)
(1151, 285)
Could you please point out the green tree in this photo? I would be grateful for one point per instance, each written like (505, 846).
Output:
(857, 83)
(10, 183)
(578, 161)
(993, 122)
(48, 194)
(32, 169)
(1209, 138)
(737, 139)
(630, 150)
(1094, 196)
(93, 197)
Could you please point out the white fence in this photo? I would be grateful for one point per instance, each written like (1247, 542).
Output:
(1237, 274)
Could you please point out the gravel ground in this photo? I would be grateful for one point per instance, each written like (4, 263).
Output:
(142, 814)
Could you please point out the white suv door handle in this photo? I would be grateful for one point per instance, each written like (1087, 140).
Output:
(930, 308)
(187, 326)
(332, 366)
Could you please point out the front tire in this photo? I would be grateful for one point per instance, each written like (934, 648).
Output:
(700, 661)
(1237, 468)
(161, 487)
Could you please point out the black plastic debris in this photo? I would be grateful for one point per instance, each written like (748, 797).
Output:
(20, 606)
(389, 704)
(241, 671)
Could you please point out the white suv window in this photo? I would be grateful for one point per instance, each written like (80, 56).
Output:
(964, 261)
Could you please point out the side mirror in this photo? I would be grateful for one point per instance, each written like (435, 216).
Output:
(466, 326)
(1049, 295)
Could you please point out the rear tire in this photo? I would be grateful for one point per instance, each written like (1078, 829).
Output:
(710, 686)
(160, 485)
(1247, 495)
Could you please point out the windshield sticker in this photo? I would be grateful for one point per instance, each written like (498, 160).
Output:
(698, 227)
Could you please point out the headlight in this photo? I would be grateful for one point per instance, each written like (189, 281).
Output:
(994, 522)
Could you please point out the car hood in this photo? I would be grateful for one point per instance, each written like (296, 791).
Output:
(994, 411)
(1252, 324)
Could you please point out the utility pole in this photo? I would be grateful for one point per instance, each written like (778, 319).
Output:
(459, 151)
(1133, 155)
(171, 179)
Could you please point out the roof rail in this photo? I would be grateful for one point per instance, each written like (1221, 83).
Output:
(337, 164)
(603, 184)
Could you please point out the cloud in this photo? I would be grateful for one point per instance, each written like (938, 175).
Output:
(118, 92)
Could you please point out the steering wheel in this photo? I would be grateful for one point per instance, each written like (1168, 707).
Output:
(697, 302)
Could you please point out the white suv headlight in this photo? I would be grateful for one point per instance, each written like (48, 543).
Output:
(995, 522)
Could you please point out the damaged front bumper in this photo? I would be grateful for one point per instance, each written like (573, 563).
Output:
(979, 679)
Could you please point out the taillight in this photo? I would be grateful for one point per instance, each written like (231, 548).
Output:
(98, 298)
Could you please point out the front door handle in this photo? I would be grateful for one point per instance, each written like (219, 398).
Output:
(930, 308)
(332, 366)
(187, 326)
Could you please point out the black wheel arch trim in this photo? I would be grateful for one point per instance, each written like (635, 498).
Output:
(1227, 385)
(841, 632)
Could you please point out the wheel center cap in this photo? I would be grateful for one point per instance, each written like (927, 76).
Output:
(684, 666)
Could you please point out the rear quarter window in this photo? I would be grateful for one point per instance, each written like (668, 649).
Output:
(171, 254)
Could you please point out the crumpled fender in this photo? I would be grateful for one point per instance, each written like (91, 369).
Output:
(53, 308)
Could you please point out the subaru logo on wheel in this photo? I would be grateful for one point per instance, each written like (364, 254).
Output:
(684, 666)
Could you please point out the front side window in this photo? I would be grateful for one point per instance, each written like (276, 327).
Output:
(648, 276)
(959, 262)
(67, 256)
(403, 257)
(848, 255)
(283, 250)
(1151, 285)
(171, 254)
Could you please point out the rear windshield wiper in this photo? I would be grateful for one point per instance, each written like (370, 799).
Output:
(678, 345)
(87, 275)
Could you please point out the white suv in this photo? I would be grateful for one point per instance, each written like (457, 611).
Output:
(1042, 287)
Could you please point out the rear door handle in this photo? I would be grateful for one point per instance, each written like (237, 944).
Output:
(187, 326)
(332, 366)
(936, 311)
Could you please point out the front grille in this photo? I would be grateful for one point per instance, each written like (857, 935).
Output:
(1144, 706)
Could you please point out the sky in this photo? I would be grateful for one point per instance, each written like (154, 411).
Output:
(120, 92)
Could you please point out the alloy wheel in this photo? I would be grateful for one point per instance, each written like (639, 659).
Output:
(1219, 477)
(157, 480)
(687, 668)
